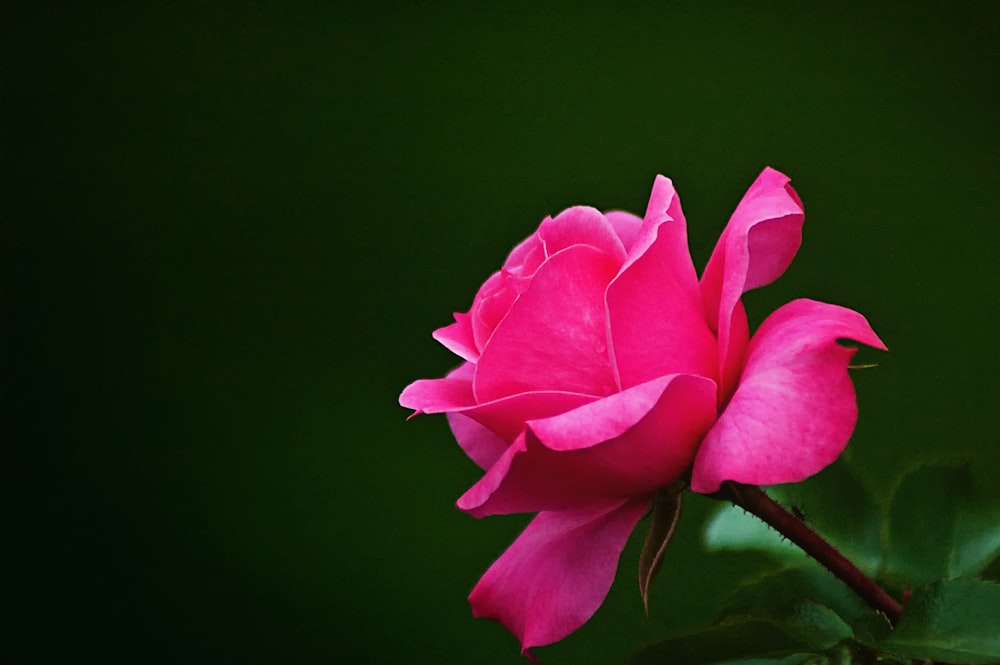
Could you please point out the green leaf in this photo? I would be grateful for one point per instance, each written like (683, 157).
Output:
(810, 605)
(992, 571)
(836, 505)
(833, 503)
(732, 528)
(871, 629)
(730, 642)
(956, 621)
(666, 511)
(943, 524)
(812, 623)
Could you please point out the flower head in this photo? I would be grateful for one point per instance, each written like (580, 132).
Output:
(598, 368)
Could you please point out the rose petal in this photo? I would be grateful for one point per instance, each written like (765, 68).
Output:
(437, 395)
(664, 221)
(504, 419)
(630, 443)
(484, 431)
(555, 335)
(458, 337)
(483, 446)
(757, 245)
(507, 416)
(491, 304)
(626, 226)
(524, 259)
(795, 408)
(555, 576)
(581, 225)
(657, 320)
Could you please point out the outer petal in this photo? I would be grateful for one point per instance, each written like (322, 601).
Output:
(756, 246)
(438, 395)
(484, 431)
(657, 321)
(628, 444)
(459, 338)
(555, 335)
(507, 416)
(794, 409)
(553, 578)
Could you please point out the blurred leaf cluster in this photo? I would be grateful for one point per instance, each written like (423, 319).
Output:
(933, 541)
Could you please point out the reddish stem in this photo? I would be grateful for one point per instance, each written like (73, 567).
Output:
(754, 500)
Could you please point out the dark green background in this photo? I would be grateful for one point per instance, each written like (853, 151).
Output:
(229, 229)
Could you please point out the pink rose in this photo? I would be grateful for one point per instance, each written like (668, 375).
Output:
(598, 369)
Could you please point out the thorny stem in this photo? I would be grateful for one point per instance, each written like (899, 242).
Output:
(754, 500)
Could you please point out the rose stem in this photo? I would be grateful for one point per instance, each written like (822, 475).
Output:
(754, 500)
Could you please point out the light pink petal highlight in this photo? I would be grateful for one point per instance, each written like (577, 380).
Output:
(555, 576)
(459, 338)
(627, 444)
(795, 408)
(581, 225)
(437, 395)
(757, 245)
(626, 226)
(555, 335)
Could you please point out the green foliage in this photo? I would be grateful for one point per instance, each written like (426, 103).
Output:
(956, 621)
(837, 506)
(934, 536)
(833, 503)
(942, 525)
(730, 642)
(787, 595)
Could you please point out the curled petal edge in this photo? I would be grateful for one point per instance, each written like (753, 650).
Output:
(794, 409)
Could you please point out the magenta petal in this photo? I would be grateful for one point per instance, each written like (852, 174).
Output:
(507, 416)
(627, 444)
(524, 259)
(438, 395)
(658, 323)
(581, 225)
(489, 306)
(484, 431)
(626, 226)
(483, 446)
(795, 408)
(656, 316)
(757, 245)
(665, 222)
(458, 338)
(555, 576)
(555, 335)
(759, 242)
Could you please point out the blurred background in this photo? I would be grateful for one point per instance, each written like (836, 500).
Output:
(230, 228)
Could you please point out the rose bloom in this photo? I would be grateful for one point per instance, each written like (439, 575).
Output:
(599, 369)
